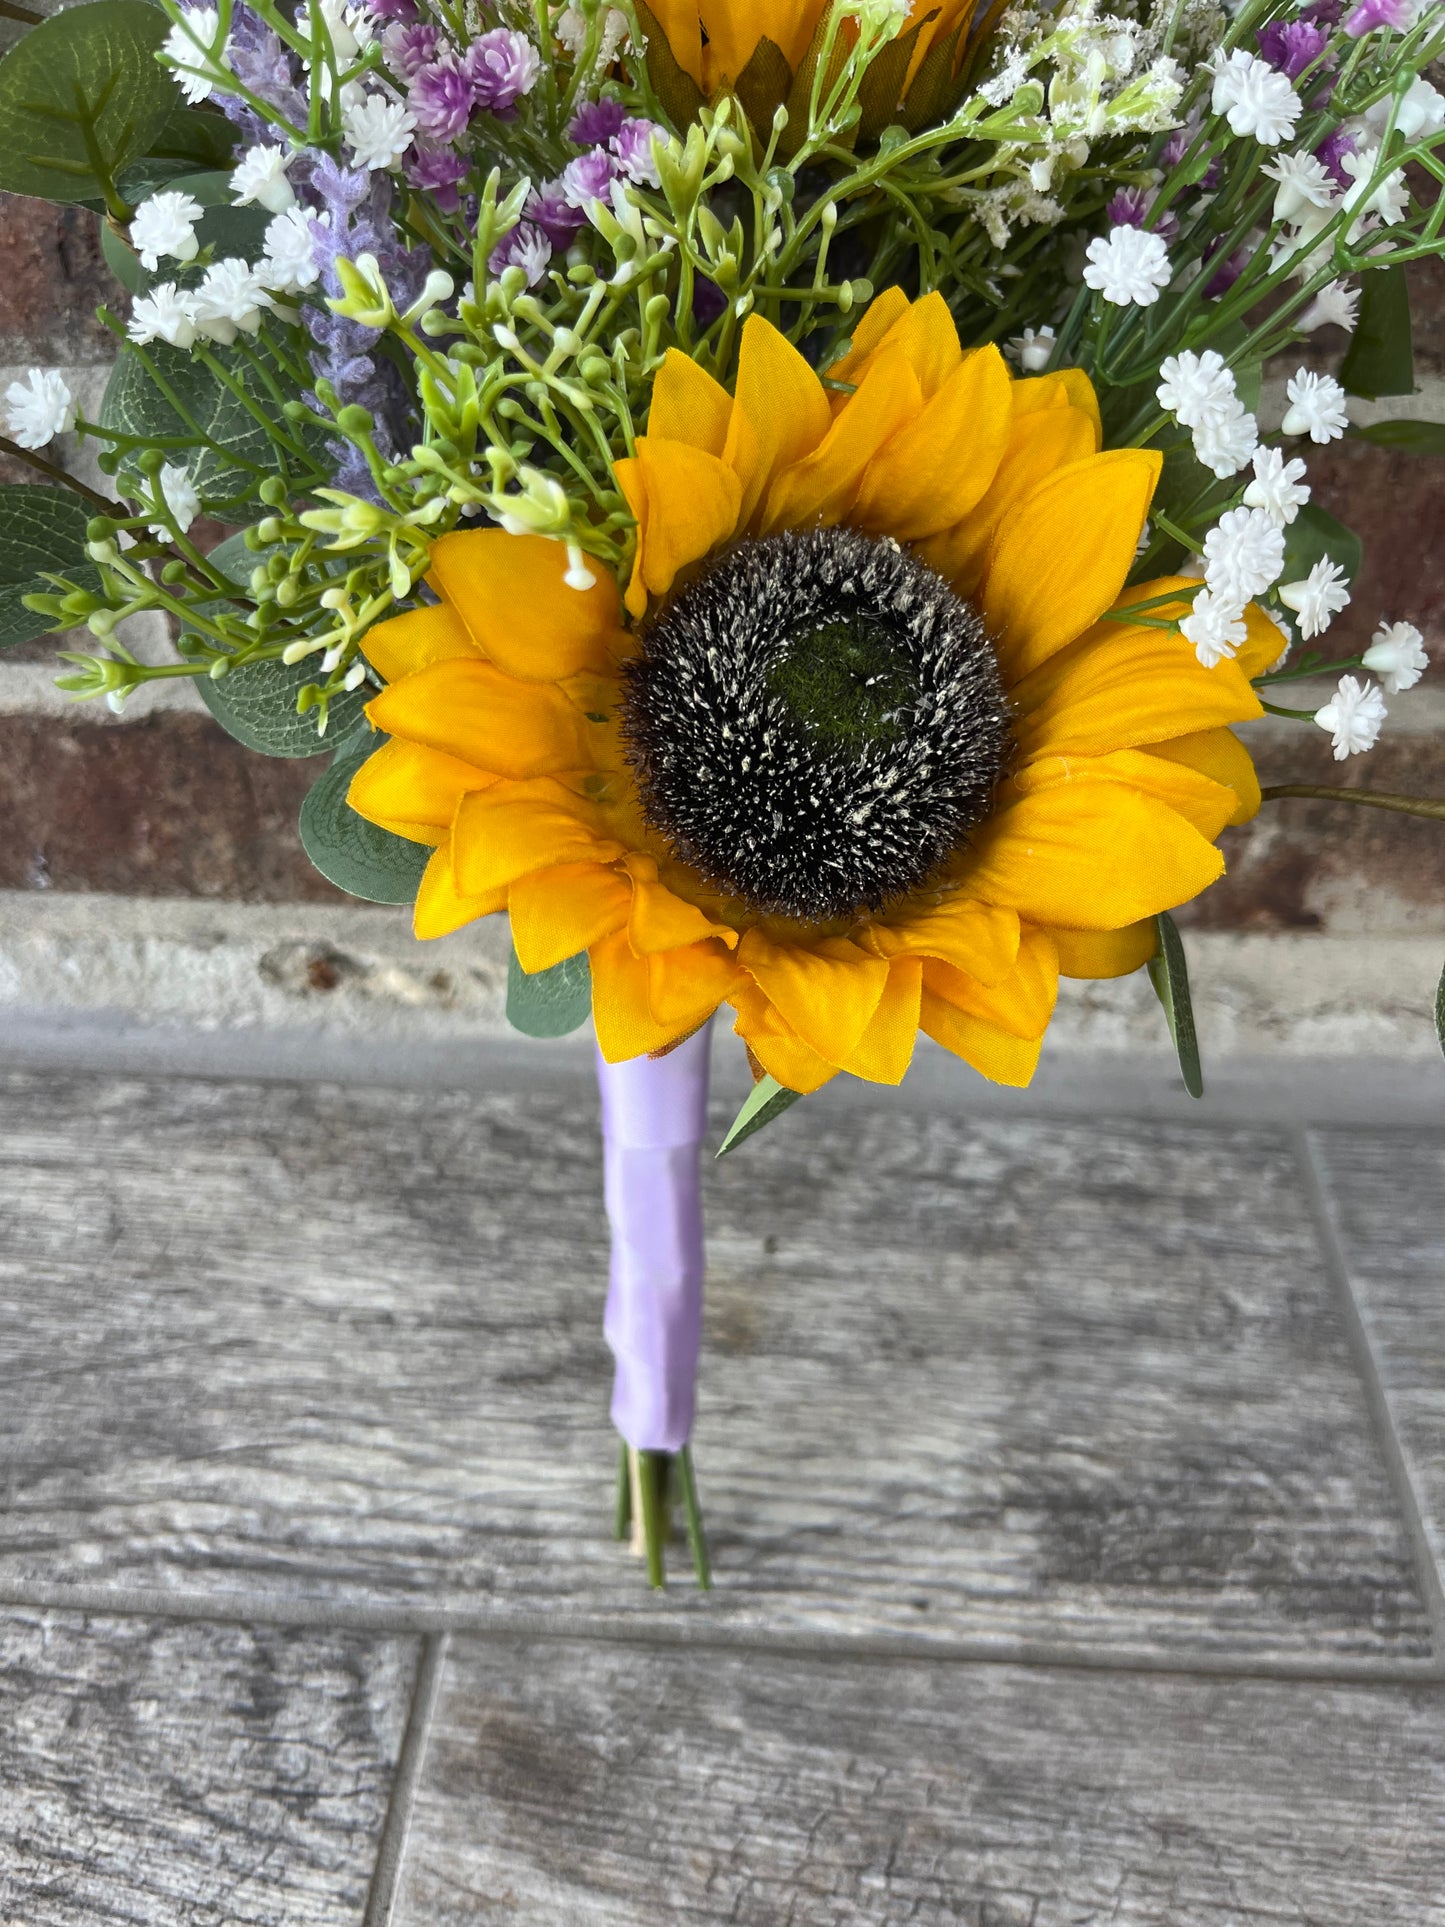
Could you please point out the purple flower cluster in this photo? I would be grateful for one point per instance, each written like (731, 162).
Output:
(526, 247)
(1331, 154)
(1371, 15)
(1130, 208)
(502, 66)
(1292, 45)
(595, 122)
(262, 64)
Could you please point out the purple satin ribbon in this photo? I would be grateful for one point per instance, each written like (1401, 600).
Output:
(654, 1113)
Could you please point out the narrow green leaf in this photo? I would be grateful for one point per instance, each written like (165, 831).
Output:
(1410, 437)
(765, 1101)
(1381, 356)
(358, 857)
(1169, 974)
(82, 96)
(41, 529)
(551, 1002)
(1315, 534)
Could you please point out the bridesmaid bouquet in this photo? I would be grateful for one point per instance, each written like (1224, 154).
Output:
(771, 498)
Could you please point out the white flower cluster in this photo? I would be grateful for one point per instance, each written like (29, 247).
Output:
(1199, 391)
(228, 301)
(38, 408)
(1128, 265)
(1259, 102)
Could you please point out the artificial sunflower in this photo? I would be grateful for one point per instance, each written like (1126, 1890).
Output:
(880, 750)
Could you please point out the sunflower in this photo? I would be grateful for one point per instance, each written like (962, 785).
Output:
(879, 750)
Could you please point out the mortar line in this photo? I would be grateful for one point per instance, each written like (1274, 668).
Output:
(1377, 1397)
(386, 1874)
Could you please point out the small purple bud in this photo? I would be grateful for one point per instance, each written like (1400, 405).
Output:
(1322, 13)
(1126, 209)
(502, 66)
(1331, 154)
(438, 171)
(1372, 14)
(554, 214)
(393, 9)
(442, 98)
(587, 179)
(407, 49)
(527, 248)
(632, 144)
(1291, 45)
(595, 122)
(1228, 272)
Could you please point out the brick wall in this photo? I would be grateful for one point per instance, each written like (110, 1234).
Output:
(131, 824)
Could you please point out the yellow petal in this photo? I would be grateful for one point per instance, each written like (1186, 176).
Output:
(937, 469)
(1080, 391)
(873, 326)
(682, 29)
(1220, 754)
(416, 640)
(474, 712)
(977, 937)
(511, 829)
(621, 1014)
(885, 1050)
(1021, 1004)
(775, 1044)
(1105, 953)
(1121, 686)
(412, 791)
(1033, 393)
(826, 990)
(686, 985)
(688, 405)
(557, 913)
(510, 592)
(441, 908)
(734, 27)
(1089, 856)
(991, 1051)
(1059, 560)
(1198, 799)
(688, 503)
(822, 488)
(780, 414)
(1263, 644)
(662, 920)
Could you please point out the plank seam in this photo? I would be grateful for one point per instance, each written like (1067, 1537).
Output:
(385, 1885)
(1377, 1397)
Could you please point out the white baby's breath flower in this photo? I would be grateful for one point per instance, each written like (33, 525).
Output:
(165, 224)
(165, 314)
(1032, 349)
(229, 301)
(1389, 199)
(1128, 265)
(260, 177)
(1421, 111)
(38, 408)
(179, 493)
(378, 131)
(1257, 101)
(1353, 716)
(1215, 626)
(1278, 486)
(1303, 182)
(289, 264)
(1397, 656)
(1316, 407)
(1317, 598)
(194, 50)
(1336, 305)
(1191, 385)
(1226, 438)
(1243, 555)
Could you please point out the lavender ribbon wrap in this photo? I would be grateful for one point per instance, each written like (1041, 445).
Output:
(654, 1112)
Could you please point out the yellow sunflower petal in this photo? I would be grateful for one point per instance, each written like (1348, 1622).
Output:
(1263, 644)
(775, 1044)
(822, 488)
(1021, 1004)
(992, 1052)
(1197, 798)
(511, 829)
(780, 414)
(412, 791)
(621, 1013)
(441, 908)
(686, 985)
(1105, 953)
(682, 29)
(1122, 686)
(416, 640)
(557, 913)
(688, 405)
(520, 612)
(938, 467)
(1034, 393)
(1089, 856)
(826, 989)
(872, 330)
(662, 920)
(1080, 391)
(885, 1050)
(977, 937)
(685, 501)
(472, 711)
(1220, 754)
(1059, 560)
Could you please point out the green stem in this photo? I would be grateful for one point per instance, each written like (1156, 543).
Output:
(38, 462)
(692, 1513)
(1429, 806)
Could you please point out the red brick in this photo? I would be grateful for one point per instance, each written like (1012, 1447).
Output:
(54, 278)
(1396, 504)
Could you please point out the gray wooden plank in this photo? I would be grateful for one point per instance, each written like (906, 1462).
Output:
(191, 1775)
(603, 1786)
(1385, 1194)
(994, 1379)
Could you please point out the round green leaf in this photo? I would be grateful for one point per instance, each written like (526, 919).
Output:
(1315, 534)
(552, 1002)
(40, 529)
(81, 96)
(355, 855)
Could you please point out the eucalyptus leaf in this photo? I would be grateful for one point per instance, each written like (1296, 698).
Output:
(765, 1101)
(40, 529)
(549, 1003)
(196, 135)
(82, 96)
(1410, 437)
(224, 228)
(1314, 535)
(357, 856)
(1381, 355)
(1169, 974)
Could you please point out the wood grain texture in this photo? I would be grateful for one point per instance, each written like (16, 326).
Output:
(607, 1786)
(999, 1380)
(1386, 1197)
(192, 1775)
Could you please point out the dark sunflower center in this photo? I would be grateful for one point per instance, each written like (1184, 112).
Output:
(816, 723)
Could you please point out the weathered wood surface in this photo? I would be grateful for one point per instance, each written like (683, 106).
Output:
(605, 1786)
(182, 1775)
(1386, 1196)
(1000, 1380)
